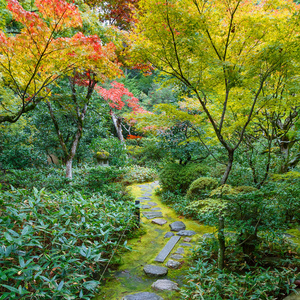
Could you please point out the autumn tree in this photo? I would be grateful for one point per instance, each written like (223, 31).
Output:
(224, 53)
(31, 61)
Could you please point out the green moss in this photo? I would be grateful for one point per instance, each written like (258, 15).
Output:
(200, 185)
(292, 175)
(130, 277)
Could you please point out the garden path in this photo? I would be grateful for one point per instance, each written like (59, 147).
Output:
(158, 251)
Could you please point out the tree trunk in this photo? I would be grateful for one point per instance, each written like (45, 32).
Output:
(118, 126)
(221, 239)
(221, 236)
(69, 168)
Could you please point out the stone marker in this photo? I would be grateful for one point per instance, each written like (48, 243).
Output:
(152, 214)
(169, 234)
(152, 203)
(176, 256)
(145, 206)
(173, 264)
(180, 250)
(142, 296)
(159, 221)
(177, 226)
(186, 232)
(156, 208)
(153, 270)
(165, 284)
(167, 249)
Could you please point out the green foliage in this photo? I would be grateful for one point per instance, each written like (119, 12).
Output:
(56, 246)
(201, 186)
(116, 150)
(205, 281)
(138, 174)
(174, 177)
(289, 176)
(224, 189)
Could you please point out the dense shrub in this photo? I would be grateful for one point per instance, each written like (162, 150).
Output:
(56, 246)
(205, 281)
(201, 186)
(177, 178)
(137, 174)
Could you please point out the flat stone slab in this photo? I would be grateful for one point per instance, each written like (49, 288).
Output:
(153, 270)
(186, 232)
(165, 284)
(176, 256)
(180, 250)
(152, 203)
(159, 221)
(177, 226)
(173, 264)
(156, 208)
(185, 245)
(169, 234)
(143, 296)
(167, 249)
(147, 195)
(143, 198)
(152, 214)
(145, 206)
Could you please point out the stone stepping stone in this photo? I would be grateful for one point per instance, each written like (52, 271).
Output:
(185, 245)
(159, 221)
(176, 256)
(177, 226)
(143, 198)
(208, 236)
(187, 239)
(179, 250)
(152, 270)
(165, 285)
(143, 296)
(167, 249)
(147, 195)
(152, 214)
(145, 206)
(169, 234)
(156, 208)
(287, 235)
(173, 264)
(152, 203)
(186, 232)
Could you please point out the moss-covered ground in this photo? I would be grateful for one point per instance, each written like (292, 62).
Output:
(129, 278)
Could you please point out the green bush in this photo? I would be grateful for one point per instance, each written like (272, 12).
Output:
(177, 178)
(56, 246)
(224, 189)
(137, 174)
(201, 186)
(206, 281)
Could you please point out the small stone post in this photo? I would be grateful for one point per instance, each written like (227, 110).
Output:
(137, 212)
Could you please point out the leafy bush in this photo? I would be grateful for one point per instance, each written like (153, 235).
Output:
(201, 186)
(177, 178)
(224, 189)
(205, 281)
(137, 174)
(56, 246)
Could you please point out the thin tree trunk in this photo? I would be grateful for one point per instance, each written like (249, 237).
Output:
(229, 166)
(118, 126)
(221, 239)
(69, 168)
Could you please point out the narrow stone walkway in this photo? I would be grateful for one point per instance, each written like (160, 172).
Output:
(155, 269)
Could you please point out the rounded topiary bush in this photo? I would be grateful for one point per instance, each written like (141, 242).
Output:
(174, 177)
(201, 185)
(244, 189)
(224, 189)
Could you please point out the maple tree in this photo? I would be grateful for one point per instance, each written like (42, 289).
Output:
(34, 59)
(119, 13)
(225, 53)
